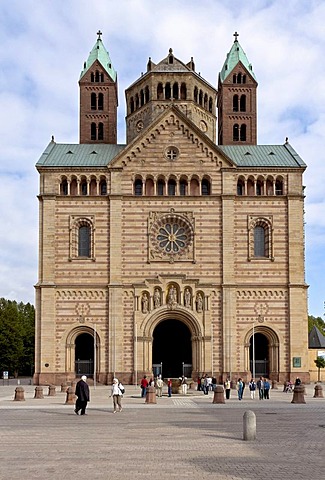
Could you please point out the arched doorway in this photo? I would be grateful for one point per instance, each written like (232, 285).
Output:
(261, 354)
(84, 354)
(172, 347)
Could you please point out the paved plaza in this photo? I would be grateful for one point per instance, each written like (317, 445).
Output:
(179, 437)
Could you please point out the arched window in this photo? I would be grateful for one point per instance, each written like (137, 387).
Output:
(93, 101)
(160, 187)
(235, 103)
(64, 187)
(194, 187)
(101, 77)
(132, 104)
(93, 131)
(234, 78)
(136, 101)
(92, 77)
(239, 78)
(259, 187)
(141, 98)
(243, 103)
(175, 91)
(84, 241)
(243, 133)
(183, 91)
(171, 187)
(205, 187)
(167, 91)
(235, 132)
(210, 104)
(138, 187)
(83, 187)
(103, 187)
(240, 187)
(200, 97)
(206, 101)
(160, 92)
(244, 78)
(183, 187)
(150, 189)
(100, 131)
(146, 94)
(278, 187)
(100, 101)
(259, 242)
(97, 76)
(195, 94)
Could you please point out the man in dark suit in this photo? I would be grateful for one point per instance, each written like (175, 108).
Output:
(82, 392)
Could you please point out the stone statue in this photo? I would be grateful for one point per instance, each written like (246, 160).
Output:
(172, 296)
(187, 298)
(156, 298)
(199, 303)
(145, 303)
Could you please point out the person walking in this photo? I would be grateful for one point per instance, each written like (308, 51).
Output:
(160, 385)
(240, 389)
(267, 387)
(227, 386)
(169, 387)
(260, 386)
(116, 393)
(252, 388)
(82, 392)
(144, 385)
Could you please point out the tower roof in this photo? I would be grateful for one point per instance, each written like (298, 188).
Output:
(235, 56)
(99, 53)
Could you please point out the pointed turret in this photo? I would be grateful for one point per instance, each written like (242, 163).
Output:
(98, 97)
(237, 117)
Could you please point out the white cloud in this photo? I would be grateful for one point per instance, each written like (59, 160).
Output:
(42, 49)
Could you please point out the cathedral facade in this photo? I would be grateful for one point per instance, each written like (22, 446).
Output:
(179, 252)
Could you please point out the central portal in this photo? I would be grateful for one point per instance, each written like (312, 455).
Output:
(172, 347)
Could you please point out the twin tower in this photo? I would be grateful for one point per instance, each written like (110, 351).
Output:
(231, 109)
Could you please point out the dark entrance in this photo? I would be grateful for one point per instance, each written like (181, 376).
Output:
(261, 355)
(172, 347)
(84, 355)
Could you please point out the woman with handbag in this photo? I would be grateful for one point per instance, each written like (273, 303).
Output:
(117, 395)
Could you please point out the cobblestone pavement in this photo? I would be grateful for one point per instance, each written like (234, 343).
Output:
(179, 437)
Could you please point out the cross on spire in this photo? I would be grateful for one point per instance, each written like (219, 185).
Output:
(236, 35)
(99, 33)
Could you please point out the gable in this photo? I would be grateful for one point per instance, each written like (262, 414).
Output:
(172, 142)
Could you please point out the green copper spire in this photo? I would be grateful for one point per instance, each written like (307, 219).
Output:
(99, 53)
(235, 56)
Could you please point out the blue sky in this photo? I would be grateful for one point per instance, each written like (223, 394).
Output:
(43, 44)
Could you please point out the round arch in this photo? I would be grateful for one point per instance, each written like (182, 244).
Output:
(70, 347)
(178, 314)
(272, 349)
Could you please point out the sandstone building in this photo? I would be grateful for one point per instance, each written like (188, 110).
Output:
(171, 253)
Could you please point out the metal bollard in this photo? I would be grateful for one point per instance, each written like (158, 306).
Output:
(219, 396)
(38, 392)
(19, 394)
(151, 395)
(249, 430)
(298, 394)
(70, 398)
(318, 392)
(52, 391)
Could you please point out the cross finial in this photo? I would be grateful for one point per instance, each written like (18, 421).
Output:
(99, 33)
(236, 35)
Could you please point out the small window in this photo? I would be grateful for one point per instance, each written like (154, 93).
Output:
(171, 187)
(243, 133)
(92, 77)
(146, 94)
(160, 92)
(206, 187)
(167, 91)
(201, 98)
(259, 241)
(100, 101)
(235, 132)
(183, 91)
(160, 187)
(93, 101)
(132, 105)
(195, 94)
(83, 187)
(243, 103)
(278, 187)
(183, 187)
(235, 103)
(97, 76)
(103, 187)
(138, 187)
(100, 131)
(64, 187)
(84, 241)
(175, 91)
(93, 131)
(240, 187)
(210, 104)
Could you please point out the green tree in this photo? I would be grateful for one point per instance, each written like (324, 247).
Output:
(318, 321)
(16, 337)
(320, 363)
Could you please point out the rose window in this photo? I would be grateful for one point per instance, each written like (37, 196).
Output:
(171, 235)
(172, 238)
